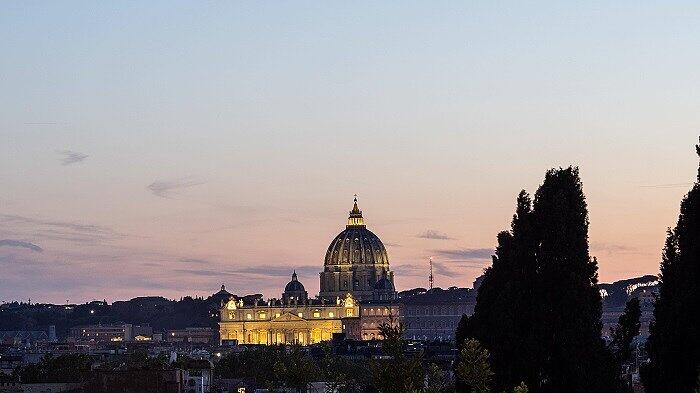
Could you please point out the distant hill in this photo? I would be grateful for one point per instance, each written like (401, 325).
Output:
(164, 314)
(617, 293)
(158, 312)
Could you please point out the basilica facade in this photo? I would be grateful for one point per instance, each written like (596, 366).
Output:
(356, 295)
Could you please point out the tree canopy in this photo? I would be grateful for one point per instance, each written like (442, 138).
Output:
(538, 308)
(674, 342)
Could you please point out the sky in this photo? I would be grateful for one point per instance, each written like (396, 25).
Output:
(164, 148)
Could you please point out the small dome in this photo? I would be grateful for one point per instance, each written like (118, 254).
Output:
(223, 291)
(294, 285)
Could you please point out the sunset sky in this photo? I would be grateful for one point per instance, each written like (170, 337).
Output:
(165, 148)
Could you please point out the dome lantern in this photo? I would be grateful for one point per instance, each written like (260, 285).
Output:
(355, 219)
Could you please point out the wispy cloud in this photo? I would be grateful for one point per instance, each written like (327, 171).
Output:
(412, 270)
(71, 157)
(442, 270)
(57, 230)
(43, 123)
(20, 244)
(205, 272)
(612, 248)
(267, 271)
(302, 271)
(169, 188)
(434, 235)
(194, 261)
(667, 185)
(465, 253)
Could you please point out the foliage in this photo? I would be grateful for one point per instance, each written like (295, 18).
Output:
(626, 330)
(159, 313)
(473, 369)
(274, 366)
(674, 342)
(522, 388)
(438, 380)
(538, 308)
(341, 374)
(64, 368)
(395, 372)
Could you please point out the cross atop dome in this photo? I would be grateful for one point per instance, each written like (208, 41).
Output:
(355, 219)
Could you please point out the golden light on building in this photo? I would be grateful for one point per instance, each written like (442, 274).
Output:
(356, 270)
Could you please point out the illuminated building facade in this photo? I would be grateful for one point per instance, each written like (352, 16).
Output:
(112, 332)
(356, 271)
(293, 322)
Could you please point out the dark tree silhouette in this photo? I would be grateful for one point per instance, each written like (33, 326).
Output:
(538, 308)
(397, 372)
(567, 294)
(674, 343)
(503, 317)
(626, 330)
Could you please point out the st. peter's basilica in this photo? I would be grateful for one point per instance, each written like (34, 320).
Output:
(357, 295)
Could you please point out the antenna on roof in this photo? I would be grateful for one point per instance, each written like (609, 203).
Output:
(430, 278)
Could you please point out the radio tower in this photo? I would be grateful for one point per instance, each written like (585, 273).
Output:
(430, 278)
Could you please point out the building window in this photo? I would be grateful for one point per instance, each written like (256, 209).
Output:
(348, 312)
(277, 315)
(262, 315)
(317, 314)
(330, 314)
(301, 315)
(248, 316)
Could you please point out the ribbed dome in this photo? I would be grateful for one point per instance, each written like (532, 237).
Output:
(294, 285)
(356, 245)
(355, 260)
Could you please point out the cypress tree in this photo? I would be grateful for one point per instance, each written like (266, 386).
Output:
(622, 336)
(626, 330)
(674, 342)
(538, 309)
(568, 297)
(503, 315)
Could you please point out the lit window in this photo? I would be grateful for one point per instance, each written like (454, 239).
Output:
(330, 314)
(248, 316)
(317, 314)
(301, 315)
(348, 312)
(277, 315)
(263, 315)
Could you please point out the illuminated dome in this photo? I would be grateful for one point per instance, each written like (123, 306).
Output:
(294, 291)
(355, 261)
(356, 245)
